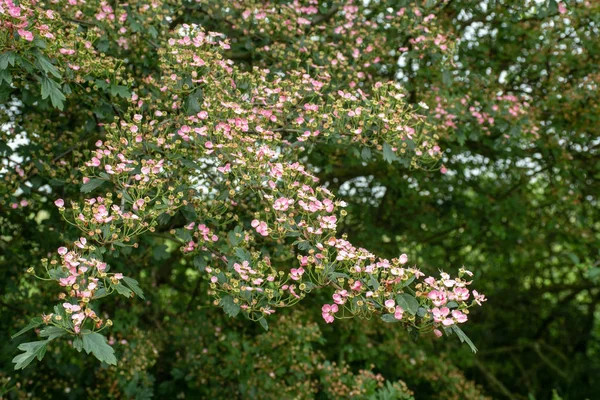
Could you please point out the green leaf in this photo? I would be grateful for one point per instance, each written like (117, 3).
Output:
(189, 213)
(133, 285)
(230, 308)
(96, 344)
(52, 332)
(160, 253)
(46, 65)
(388, 153)
(119, 90)
(194, 101)
(200, 263)
(233, 237)
(464, 338)
(408, 302)
(31, 351)
(52, 89)
(389, 318)
(78, 344)
(264, 323)
(8, 57)
(91, 185)
(365, 153)
(34, 323)
(121, 289)
(100, 293)
(5, 76)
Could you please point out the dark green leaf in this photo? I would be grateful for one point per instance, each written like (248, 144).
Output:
(388, 153)
(52, 89)
(34, 323)
(464, 338)
(46, 65)
(121, 289)
(96, 344)
(133, 285)
(8, 57)
(91, 185)
(31, 351)
(408, 302)
(389, 318)
(119, 90)
(263, 322)
(52, 332)
(230, 308)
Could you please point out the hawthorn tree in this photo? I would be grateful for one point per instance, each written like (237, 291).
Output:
(189, 154)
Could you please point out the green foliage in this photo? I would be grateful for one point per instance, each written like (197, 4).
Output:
(513, 106)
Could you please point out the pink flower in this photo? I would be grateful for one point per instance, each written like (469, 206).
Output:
(296, 273)
(67, 281)
(440, 313)
(59, 203)
(562, 8)
(459, 316)
(81, 242)
(479, 298)
(461, 294)
(390, 303)
(261, 227)
(25, 35)
(118, 276)
(437, 297)
(327, 312)
(356, 285)
(403, 259)
(62, 251)
(399, 312)
(437, 333)
(71, 307)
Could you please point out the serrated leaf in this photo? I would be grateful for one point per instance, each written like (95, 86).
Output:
(464, 338)
(31, 351)
(96, 344)
(388, 153)
(120, 90)
(34, 323)
(160, 253)
(46, 65)
(100, 293)
(5, 76)
(194, 101)
(408, 302)
(234, 240)
(78, 344)
(230, 308)
(189, 213)
(133, 285)
(242, 255)
(52, 89)
(91, 185)
(263, 322)
(123, 290)
(366, 153)
(200, 263)
(8, 57)
(389, 318)
(52, 332)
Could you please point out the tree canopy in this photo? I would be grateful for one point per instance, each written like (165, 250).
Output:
(173, 169)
